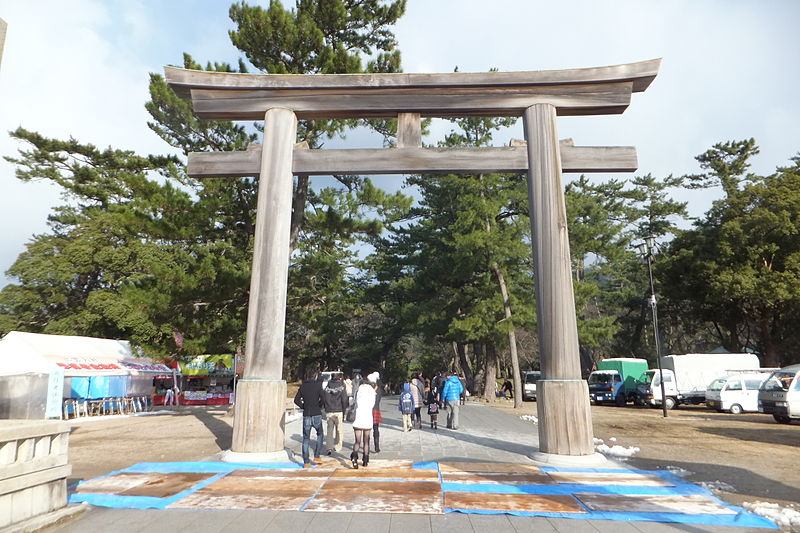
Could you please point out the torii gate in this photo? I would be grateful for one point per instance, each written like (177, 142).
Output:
(565, 427)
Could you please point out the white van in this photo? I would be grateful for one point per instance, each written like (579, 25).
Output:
(735, 392)
(780, 395)
(529, 380)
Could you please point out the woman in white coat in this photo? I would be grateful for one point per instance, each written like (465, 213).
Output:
(362, 425)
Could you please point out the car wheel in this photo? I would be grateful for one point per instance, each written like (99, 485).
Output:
(736, 409)
(781, 419)
(620, 400)
(670, 403)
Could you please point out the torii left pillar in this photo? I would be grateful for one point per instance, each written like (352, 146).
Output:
(258, 424)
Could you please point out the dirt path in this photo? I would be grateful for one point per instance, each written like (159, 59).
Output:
(755, 456)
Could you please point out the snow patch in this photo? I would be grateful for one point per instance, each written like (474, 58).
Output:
(717, 485)
(617, 451)
(529, 418)
(292, 417)
(613, 439)
(678, 471)
(598, 441)
(786, 517)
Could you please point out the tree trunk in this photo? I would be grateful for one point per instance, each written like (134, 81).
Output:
(298, 209)
(491, 373)
(512, 336)
(461, 350)
(770, 353)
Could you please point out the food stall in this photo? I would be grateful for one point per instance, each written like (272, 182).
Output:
(88, 368)
(207, 380)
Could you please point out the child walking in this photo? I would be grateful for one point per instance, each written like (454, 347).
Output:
(433, 407)
(406, 406)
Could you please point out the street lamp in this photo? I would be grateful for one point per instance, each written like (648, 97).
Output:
(646, 251)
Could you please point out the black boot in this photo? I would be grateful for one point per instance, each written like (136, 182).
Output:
(377, 436)
(365, 460)
(354, 459)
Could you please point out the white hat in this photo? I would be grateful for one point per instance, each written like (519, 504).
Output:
(374, 377)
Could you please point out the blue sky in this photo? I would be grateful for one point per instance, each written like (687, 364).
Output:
(80, 68)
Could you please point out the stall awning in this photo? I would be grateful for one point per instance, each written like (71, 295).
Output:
(208, 365)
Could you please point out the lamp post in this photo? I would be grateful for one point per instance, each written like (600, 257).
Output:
(646, 250)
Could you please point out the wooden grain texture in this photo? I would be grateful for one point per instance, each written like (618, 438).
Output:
(409, 130)
(3, 27)
(378, 497)
(258, 422)
(583, 99)
(646, 503)
(510, 159)
(558, 332)
(510, 503)
(266, 313)
(565, 417)
(641, 74)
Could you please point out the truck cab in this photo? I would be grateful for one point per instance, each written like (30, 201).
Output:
(779, 395)
(650, 389)
(616, 380)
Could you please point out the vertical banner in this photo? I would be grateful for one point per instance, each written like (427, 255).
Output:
(55, 393)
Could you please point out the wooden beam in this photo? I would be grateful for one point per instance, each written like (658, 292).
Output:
(570, 99)
(584, 159)
(641, 74)
(409, 130)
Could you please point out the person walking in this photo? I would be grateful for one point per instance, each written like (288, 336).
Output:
(377, 417)
(406, 406)
(418, 394)
(433, 407)
(334, 400)
(362, 425)
(451, 396)
(309, 399)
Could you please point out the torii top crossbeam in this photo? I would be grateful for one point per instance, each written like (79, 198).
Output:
(590, 91)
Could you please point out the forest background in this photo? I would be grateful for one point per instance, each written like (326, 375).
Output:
(435, 276)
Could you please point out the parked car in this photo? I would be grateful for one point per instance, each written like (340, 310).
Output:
(779, 395)
(529, 380)
(736, 393)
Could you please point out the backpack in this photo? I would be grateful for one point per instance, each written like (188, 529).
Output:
(406, 403)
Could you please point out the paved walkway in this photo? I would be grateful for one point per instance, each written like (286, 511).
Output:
(486, 435)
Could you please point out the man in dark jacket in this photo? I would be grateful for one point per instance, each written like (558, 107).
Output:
(334, 399)
(309, 399)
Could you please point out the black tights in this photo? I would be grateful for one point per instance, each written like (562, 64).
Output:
(417, 416)
(362, 440)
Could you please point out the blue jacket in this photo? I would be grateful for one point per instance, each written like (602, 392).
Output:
(409, 407)
(451, 392)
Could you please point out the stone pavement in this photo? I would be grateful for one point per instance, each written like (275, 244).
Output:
(485, 435)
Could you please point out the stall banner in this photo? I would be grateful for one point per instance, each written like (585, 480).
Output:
(55, 393)
(195, 395)
(202, 365)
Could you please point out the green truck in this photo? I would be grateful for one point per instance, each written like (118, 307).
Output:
(616, 380)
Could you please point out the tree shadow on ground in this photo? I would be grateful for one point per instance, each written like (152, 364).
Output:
(786, 437)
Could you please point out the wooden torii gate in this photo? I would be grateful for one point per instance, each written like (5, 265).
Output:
(565, 427)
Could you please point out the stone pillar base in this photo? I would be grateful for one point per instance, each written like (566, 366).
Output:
(565, 417)
(258, 422)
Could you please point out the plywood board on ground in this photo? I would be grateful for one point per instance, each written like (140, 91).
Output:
(233, 492)
(504, 468)
(280, 473)
(386, 473)
(608, 478)
(538, 503)
(531, 478)
(153, 484)
(378, 497)
(640, 503)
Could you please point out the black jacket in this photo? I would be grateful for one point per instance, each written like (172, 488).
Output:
(334, 397)
(309, 398)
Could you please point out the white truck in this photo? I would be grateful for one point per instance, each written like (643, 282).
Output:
(687, 376)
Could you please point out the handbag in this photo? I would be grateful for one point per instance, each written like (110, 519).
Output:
(350, 413)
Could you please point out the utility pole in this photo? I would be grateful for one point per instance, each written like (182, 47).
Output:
(646, 250)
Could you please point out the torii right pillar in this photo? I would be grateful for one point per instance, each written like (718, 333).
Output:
(562, 397)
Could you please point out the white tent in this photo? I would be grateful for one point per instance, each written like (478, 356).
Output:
(84, 367)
